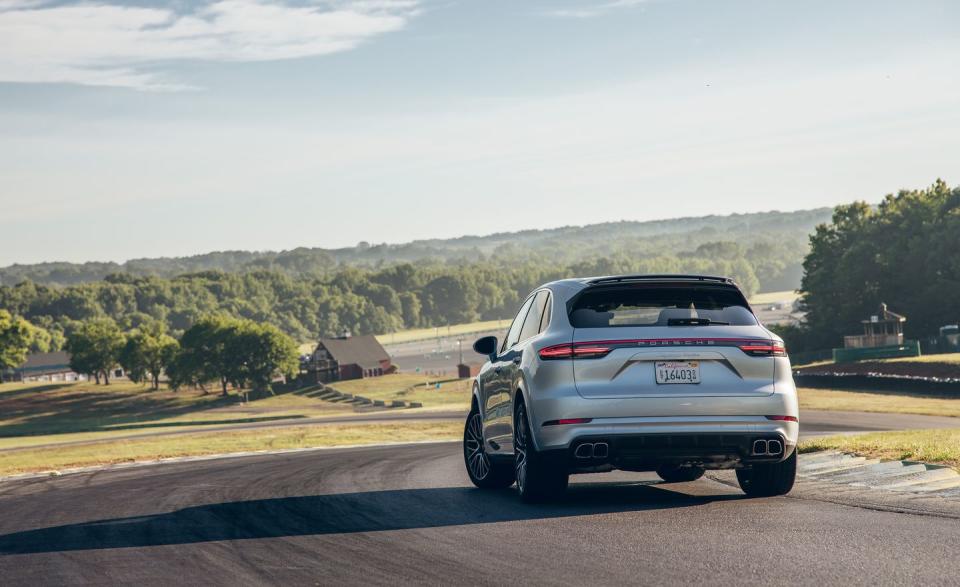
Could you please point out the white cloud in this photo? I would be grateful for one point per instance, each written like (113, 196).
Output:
(114, 45)
(594, 9)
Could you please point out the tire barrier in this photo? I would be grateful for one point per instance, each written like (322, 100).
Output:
(902, 384)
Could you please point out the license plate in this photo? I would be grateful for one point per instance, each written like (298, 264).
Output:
(678, 372)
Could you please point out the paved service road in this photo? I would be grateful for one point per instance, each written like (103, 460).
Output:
(406, 514)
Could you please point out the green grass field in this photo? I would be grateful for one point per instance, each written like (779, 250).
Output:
(949, 358)
(857, 401)
(122, 451)
(945, 359)
(772, 297)
(452, 330)
(41, 413)
(411, 387)
(122, 416)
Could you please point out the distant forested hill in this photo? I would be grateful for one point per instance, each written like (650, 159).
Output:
(772, 243)
(383, 288)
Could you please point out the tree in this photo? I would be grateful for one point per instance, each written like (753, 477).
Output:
(410, 305)
(258, 352)
(901, 252)
(16, 336)
(95, 347)
(232, 351)
(147, 353)
(203, 354)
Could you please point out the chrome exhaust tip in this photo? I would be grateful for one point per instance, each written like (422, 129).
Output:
(774, 448)
(584, 451)
(760, 447)
(601, 450)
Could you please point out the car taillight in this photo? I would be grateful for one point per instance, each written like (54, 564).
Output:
(764, 349)
(783, 418)
(574, 351)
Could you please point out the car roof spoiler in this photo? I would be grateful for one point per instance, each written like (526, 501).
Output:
(662, 277)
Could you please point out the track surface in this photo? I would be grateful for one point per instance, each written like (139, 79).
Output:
(407, 514)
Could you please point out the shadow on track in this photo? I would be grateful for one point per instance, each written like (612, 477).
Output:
(371, 511)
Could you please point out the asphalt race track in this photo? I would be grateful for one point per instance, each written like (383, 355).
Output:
(406, 514)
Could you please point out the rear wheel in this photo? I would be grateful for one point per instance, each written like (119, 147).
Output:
(483, 472)
(768, 480)
(674, 474)
(537, 478)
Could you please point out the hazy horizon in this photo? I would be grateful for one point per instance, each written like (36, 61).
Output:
(155, 128)
(122, 260)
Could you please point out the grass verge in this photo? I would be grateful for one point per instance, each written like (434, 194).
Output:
(772, 297)
(43, 413)
(411, 387)
(948, 358)
(929, 446)
(452, 330)
(857, 401)
(123, 451)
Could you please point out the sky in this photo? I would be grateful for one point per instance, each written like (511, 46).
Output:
(168, 128)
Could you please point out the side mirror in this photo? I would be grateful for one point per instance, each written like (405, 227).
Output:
(486, 346)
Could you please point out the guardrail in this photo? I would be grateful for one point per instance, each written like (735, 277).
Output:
(910, 348)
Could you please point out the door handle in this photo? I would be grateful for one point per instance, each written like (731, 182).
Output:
(496, 370)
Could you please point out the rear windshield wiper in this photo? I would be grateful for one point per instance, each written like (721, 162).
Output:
(694, 322)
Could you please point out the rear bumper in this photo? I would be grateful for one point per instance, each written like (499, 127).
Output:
(562, 436)
(648, 451)
(719, 428)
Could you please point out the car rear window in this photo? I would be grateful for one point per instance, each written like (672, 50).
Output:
(660, 305)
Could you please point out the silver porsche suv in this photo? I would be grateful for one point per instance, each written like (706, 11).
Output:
(665, 373)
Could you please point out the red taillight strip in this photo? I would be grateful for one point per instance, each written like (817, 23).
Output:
(783, 418)
(766, 348)
(600, 348)
(565, 421)
(575, 351)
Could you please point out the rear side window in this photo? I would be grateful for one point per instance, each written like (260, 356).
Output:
(514, 333)
(531, 327)
(547, 309)
(660, 305)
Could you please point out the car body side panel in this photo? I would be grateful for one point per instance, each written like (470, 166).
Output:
(499, 416)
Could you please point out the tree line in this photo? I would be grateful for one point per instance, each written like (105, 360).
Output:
(904, 252)
(773, 243)
(363, 301)
(216, 349)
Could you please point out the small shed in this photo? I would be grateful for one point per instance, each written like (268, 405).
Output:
(885, 328)
(465, 370)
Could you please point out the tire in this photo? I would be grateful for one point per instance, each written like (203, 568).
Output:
(769, 480)
(538, 479)
(672, 474)
(483, 472)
